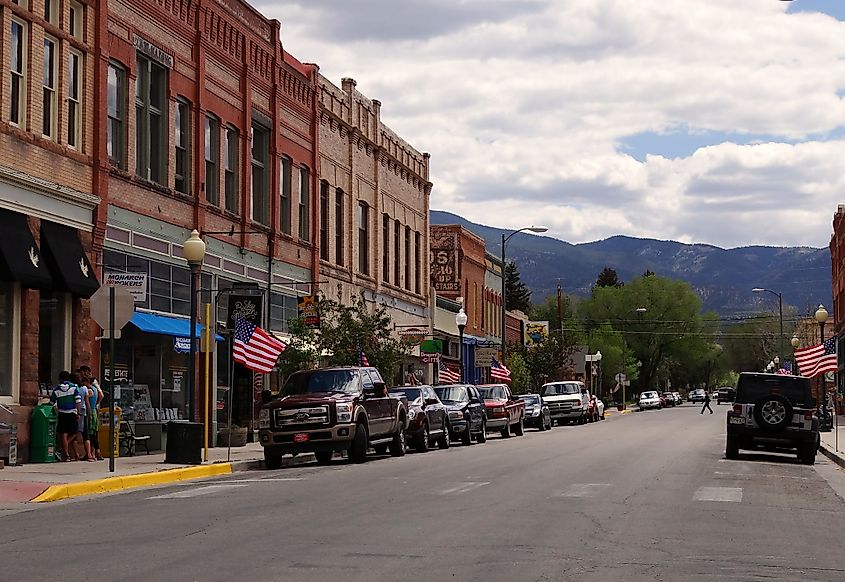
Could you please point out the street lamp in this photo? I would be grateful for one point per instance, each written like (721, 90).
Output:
(505, 240)
(795, 342)
(780, 313)
(461, 322)
(821, 317)
(194, 251)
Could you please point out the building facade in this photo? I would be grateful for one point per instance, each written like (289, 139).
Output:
(48, 198)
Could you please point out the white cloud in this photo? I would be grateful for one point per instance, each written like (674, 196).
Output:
(525, 107)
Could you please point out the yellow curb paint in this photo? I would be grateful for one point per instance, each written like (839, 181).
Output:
(68, 490)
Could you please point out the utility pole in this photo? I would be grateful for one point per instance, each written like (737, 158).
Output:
(559, 317)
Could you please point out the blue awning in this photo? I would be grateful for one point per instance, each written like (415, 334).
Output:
(165, 325)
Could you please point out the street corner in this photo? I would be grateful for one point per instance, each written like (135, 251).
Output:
(21, 491)
(57, 492)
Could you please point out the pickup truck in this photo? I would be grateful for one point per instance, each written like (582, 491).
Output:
(331, 410)
(504, 410)
(568, 401)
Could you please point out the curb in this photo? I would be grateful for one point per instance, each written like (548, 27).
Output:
(68, 490)
(838, 459)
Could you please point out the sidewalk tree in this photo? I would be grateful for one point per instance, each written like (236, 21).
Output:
(518, 295)
(520, 374)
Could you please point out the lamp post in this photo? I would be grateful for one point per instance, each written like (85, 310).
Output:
(780, 313)
(821, 318)
(505, 240)
(461, 322)
(795, 342)
(194, 250)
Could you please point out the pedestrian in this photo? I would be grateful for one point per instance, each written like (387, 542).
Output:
(706, 403)
(94, 400)
(411, 378)
(82, 436)
(65, 397)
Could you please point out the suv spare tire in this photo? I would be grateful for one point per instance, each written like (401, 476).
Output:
(773, 412)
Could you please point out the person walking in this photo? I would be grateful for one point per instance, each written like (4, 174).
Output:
(706, 403)
(94, 399)
(65, 397)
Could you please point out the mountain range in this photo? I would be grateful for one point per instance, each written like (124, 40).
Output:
(722, 278)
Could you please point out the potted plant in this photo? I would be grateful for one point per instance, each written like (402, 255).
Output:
(234, 436)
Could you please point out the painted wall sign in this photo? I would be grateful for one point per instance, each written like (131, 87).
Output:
(135, 282)
(445, 263)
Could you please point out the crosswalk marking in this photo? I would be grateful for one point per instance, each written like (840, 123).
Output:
(584, 489)
(464, 487)
(197, 491)
(731, 494)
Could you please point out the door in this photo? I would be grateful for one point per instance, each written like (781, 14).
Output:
(434, 411)
(377, 407)
(476, 409)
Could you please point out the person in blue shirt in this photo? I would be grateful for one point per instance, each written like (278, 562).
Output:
(66, 398)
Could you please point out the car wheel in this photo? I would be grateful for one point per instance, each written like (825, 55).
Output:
(482, 436)
(506, 432)
(731, 448)
(443, 443)
(519, 428)
(358, 450)
(324, 457)
(272, 461)
(398, 444)
(466, 436)
(424, 442)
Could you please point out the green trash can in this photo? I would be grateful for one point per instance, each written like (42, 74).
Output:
(42, 434)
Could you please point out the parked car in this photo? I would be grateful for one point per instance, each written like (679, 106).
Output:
(678, 398)
(428, 418)
(773, 410)
(595, 410)
(668, 399)
(649, 399)
(329, 410)
(697, 395)
(725, 394)
(536, 412)
(467, 417)
(504, 412)
(568, 401)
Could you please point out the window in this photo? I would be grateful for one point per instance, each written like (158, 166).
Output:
(260, 154)
(151, 120)
(116, 132)
(51, 11)
(408, 257)
(283, 308)
(338, 227)
(74, 23)
(324, 220)
(231, 169)
(363, 238)
(385, 248)
(397, 246)
(17, 64)
(287, 165)
(54, 322)
(74, 68)
(417, 262)
(212, 154)
(7, 325)
(48, 111)
(182, 143)
(304, 214)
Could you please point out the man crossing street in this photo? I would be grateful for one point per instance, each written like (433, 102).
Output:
(706, 403)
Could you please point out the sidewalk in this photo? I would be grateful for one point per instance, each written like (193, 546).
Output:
(54, 481)
(832, 447)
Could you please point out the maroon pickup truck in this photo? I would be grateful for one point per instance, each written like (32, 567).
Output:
(505, 412)
(330, 410)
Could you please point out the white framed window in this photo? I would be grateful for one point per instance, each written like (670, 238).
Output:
(74, 96)
(182, 144)
(49, 77)
(75, 20)
(231, 168)
(17, 71)
(151, 120)
(212, 156)
(304, 203)
(116, 129)
(260, 158)
(51, 11)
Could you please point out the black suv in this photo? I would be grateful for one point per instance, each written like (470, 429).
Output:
(773, 410)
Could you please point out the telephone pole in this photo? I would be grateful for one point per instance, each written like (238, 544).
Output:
(559, 317)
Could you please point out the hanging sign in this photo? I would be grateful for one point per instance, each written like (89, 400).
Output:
(245, 306)
(412, 336)
(431, 346)
(181, 345)
(309, 311)
(536, 332)
(429, 358)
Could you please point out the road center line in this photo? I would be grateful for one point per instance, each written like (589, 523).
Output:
(196, 492)
(732, 494)
(464, 487)
(584, 489)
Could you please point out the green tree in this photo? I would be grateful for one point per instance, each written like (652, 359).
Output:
(608, 278)
(301, 353)
(548, 361)
(518, 295)
(520, 374)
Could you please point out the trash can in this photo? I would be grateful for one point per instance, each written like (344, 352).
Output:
(184, 443)
(103, 431)
(42, 434)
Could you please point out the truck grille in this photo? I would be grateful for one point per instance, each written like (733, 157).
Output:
(558, 407)
(302, 416)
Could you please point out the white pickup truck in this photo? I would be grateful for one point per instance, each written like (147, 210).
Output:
(568, 401)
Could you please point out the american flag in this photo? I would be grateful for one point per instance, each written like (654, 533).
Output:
(818, 359)
(446, 374)
(786, 370)
(498, 371)
(362, 358)
(255, 348)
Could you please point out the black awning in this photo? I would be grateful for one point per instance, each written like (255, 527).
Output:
(67, 259)
(20, 259)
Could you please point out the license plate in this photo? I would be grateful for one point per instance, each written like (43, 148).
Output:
(301, 437)
(737, 420)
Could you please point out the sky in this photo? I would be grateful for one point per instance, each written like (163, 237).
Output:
(711, 121)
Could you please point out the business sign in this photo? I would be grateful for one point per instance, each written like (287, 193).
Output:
(181, 345)
(135, 282)
(536, 332)
(484, 356)
(309, 311)
(431, 346)
(444, 258)
(429, 358)
(245, 306)
(412, 336)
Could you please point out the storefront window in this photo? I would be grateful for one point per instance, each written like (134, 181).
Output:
(53, 336)
(282, 309)
(6, 328)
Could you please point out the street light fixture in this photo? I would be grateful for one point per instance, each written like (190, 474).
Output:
(461, 322)
(505, 240)
(780, 313)
(194, 251)
(821, 318)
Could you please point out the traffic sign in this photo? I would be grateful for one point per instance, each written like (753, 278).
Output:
(124, 306)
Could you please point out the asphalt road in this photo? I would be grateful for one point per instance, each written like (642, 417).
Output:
(646, 496)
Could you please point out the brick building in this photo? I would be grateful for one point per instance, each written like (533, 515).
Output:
(48, 149)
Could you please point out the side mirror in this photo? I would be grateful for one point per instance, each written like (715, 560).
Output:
(266, 396)
(474, 400)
